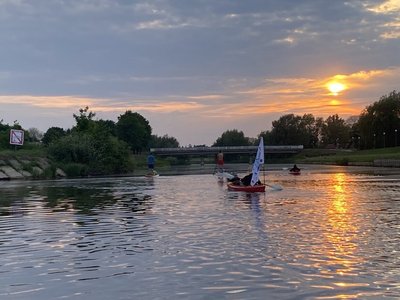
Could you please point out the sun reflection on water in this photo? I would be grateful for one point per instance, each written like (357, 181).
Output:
(341, 227)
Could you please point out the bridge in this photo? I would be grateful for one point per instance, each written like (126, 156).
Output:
(203, 151)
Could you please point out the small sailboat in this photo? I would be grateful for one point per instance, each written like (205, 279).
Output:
(255, 185)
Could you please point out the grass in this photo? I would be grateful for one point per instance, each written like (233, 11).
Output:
(23, 152)
(344, 157)
(311, 156)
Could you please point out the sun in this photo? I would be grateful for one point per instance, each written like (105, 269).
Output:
(335, 87)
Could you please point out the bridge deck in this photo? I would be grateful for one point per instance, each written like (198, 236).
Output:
(231, 149)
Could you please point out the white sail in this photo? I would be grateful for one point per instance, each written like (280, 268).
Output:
(259, 161)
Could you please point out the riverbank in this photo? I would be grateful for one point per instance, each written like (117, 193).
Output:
(28, 167)
(384, 157)
(35, 164)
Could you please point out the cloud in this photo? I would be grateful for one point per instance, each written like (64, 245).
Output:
(99, 104)
(275, 95)
(48, 102)
(207, 97)
(387, 7)
(310, 95)
(212, 63)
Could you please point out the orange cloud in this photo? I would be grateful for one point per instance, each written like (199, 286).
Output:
(99, 104)
(157, 107)
(309, 95)
(47, 101)
(207, 97)
(274, 96)
(389, 6)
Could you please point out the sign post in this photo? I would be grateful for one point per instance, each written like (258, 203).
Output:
(16, 137)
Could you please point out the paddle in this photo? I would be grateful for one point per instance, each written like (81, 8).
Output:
(275, 187)
(224, 175)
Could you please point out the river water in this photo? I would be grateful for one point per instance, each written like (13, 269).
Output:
(331, 233)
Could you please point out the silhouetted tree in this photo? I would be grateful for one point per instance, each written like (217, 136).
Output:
(232, 138)
(52, 134)
(335, 131)
(163, 142)
(34, 134)
(84, 121)
(135, 130)
(294, 130)
(378, 122)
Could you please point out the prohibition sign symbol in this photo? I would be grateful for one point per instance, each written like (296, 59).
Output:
(16, 137)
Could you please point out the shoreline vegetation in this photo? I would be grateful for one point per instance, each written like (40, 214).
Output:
(34, 164)
(97, 147)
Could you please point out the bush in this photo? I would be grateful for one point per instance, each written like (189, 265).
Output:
(75, 170)
(100, 153)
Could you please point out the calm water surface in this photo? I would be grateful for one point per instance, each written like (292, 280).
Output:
(331, 233)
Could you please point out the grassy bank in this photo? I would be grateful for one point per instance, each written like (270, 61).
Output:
(345, 157)
(34, 162)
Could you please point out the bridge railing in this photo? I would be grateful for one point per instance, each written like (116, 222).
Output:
(228, 149)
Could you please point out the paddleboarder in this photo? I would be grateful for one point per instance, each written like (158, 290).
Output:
(220, 161)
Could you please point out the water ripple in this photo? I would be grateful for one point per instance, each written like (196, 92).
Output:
(328, 235)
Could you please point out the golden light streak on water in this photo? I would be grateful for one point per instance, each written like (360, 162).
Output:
(341, 228)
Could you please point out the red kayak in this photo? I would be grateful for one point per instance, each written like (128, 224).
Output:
(295, 172)
(246, 188)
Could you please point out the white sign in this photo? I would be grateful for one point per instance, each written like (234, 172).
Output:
(16, 137)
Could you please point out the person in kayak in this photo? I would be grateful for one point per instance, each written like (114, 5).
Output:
(294, 169)
(246, 180)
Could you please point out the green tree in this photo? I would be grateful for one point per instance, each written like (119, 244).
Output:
(108, 126)
(294, 130)
(310, 130)
(163, 142)
(34, 134)
(52, 134)
(90, 148)
(84, 121)
(232, 138)
(335, 131)
(4, 135)
(135, 130)
(379, 123)
(95, 153)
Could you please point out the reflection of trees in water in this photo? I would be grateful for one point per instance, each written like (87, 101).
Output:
(88, 200)
(83, 200)
(12, 199)
(83, 217)
(79, 199)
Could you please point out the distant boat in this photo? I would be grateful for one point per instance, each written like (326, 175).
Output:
(255, 178)
(295, 172)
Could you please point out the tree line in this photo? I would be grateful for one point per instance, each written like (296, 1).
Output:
(377, 126)
(94, 146)
(97, 146)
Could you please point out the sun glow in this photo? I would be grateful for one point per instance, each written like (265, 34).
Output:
(335, 87)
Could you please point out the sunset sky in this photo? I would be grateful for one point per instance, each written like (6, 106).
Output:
(195, 68)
